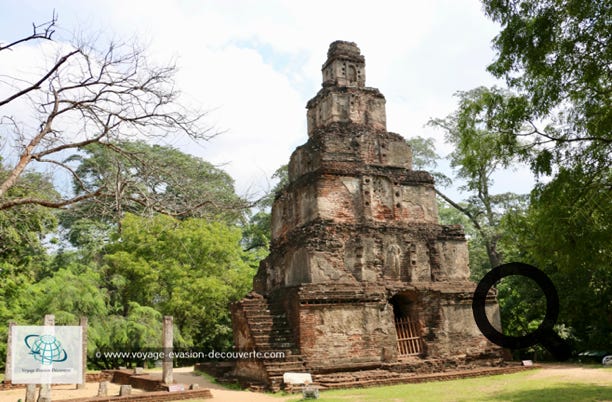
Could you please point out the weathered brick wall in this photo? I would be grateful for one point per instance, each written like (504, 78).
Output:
(243, 338)
(240, 328)
(351, 253)
(347, 105)
(345, 334)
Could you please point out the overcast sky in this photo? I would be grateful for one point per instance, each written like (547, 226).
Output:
(255, 64)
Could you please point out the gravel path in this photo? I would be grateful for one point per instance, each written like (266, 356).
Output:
(185, 375)
(182, 375)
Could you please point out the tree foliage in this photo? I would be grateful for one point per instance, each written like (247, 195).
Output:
(257, 232)
(190, 269)
(568, 236)
(145, 179)
(557, 53)
(22, 229)
(424, 157)
(478, 154)
(557, 57)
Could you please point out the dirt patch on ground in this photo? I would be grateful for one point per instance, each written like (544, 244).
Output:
(59, 392)
(569, 373)
(184, 375)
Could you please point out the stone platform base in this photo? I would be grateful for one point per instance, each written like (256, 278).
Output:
(380, 377)
(158, 396)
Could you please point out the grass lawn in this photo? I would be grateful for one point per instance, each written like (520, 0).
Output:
(525, 386)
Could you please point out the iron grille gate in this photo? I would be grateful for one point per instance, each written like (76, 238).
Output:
(408, 339)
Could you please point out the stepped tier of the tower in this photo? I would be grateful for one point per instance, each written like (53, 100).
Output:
(349, 173)
(355, 211)
(328, 252)
(347, 105)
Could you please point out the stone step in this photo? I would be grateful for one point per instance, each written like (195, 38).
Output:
(262, 314)
(256, 326)
(254, 304)
(267, 329)
(280, 371)
(274, 344)
(263, 318)
(256, 309)
(290, 357)
(289, 351)
(268, 324)
(283, 368)
(272, 335)
(272, 338)
(282, 345)
(273, 365)
(277, 348)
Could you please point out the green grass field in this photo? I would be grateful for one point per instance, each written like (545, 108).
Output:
(525, 386)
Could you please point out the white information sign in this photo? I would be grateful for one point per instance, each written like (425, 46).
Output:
(47, 354)
(297, 378)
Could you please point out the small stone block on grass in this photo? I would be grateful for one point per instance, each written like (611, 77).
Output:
(125, 390)
(176, 388)
(297, 378)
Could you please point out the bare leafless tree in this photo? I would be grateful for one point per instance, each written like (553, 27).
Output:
(84, 97)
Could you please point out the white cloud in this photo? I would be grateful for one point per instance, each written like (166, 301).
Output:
(255, 64)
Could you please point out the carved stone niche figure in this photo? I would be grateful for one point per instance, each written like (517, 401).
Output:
(393, 261)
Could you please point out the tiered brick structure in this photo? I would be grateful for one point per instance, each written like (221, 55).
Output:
(360, 274)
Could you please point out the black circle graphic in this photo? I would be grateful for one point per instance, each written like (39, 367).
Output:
(544, 334)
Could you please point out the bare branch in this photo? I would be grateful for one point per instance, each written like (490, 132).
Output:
(48, 29)
(47, 203)
(63, 165)
(461, 209)
(26, 155)
(36, 85)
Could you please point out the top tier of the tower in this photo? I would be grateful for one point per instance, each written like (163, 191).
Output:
(345, 66)
(344, 97)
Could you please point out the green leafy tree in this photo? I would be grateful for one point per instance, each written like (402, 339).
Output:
(139, 330)
(23, 255)
(425, 157)
(190, 269)
(568, 237)
(477, 154)
(557, 57)
(23, 228)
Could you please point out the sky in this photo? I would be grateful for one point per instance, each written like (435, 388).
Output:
(253, 65)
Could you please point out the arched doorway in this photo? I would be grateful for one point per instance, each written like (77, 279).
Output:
(409, 342)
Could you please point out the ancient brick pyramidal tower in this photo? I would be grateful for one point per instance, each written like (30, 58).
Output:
(360, 276)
